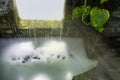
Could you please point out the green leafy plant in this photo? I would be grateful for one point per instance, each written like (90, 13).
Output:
(102, 1)
(98, 16)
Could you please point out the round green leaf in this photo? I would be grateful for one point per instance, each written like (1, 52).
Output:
(103, 1)
(77, 12)
(99, 17)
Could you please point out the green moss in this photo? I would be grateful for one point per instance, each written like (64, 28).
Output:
(25, 24)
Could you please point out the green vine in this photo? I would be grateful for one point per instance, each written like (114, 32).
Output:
(98, 16)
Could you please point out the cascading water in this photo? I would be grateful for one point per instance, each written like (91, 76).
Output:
(43, 59)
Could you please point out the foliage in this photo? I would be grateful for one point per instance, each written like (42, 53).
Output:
(98, 16)
(102, 1)
(40, 24)
(81, 12)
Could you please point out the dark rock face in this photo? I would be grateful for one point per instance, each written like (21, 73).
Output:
(112, 28)
(5, 6)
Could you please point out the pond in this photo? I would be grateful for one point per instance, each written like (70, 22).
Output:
(43, 58)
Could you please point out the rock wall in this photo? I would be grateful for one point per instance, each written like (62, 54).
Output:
(112, 28)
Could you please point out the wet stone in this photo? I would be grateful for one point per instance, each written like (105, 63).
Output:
(27, 58)
(35, 57)
(14, 59)
(23, 61)
(58, 56)
(63, 58)
(38, 58)
(18, 58)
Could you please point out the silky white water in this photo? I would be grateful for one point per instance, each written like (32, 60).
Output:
(43, 59)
